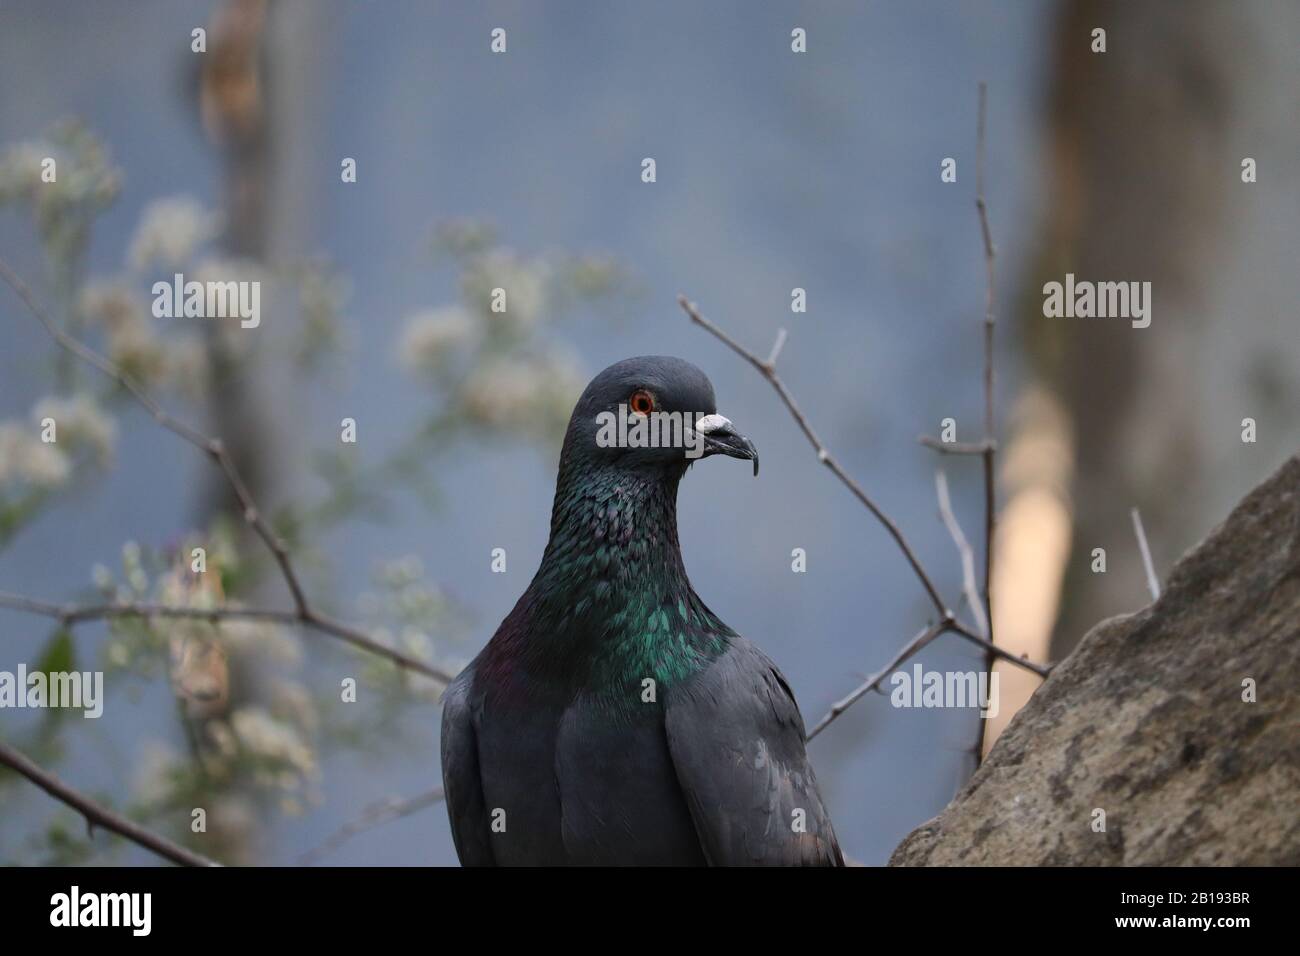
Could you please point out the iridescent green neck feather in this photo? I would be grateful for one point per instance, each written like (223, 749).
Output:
(611, 606)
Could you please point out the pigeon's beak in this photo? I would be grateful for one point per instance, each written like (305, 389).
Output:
(721, 438)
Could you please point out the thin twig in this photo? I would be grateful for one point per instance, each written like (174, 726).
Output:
(92, 357)
(377, 814)
(303, 612)
(70, 614)
(957, 447)
(990, 513)
(1153, 583)
(923, 638)
(963, 550)
(951, 626)
(990, 426)
(776, 348)
(97, 815)
(768, 371)
(947, 620)
(1000, 653)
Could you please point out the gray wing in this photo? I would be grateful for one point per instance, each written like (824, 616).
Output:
(461, 783)
(737, 743)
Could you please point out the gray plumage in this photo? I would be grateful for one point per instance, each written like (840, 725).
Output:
(613, 719)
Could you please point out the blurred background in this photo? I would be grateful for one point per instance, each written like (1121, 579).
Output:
(774, 170)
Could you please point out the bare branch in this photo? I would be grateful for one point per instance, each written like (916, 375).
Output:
(303, 613)
(950, 625)
(70, 614)
(1000, 653)
(377, 814)
(98, 361)
(907, 650)
(990, 428)
(947, 621)
(983, 609)
(97, 815)
(963, 550)
(776, 348)
(1153, 583)
(823, 455)
(358, 638)
(217, 450)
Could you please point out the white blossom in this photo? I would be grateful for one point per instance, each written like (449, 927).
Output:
(170, 231)
(263, 637)
(156, 767)
(20, 169)
(79, 422)
(111, 304)
(134, 347)
(187, 367)
(24, 457)
(522, 392)
(431, 336)
(524, 284)
(265, 736)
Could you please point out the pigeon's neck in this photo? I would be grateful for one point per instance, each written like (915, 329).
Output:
(611, 602)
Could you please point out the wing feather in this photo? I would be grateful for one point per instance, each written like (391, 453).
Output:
(462, 784)
(737, 743)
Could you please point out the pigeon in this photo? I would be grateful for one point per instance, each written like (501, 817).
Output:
(613, 719)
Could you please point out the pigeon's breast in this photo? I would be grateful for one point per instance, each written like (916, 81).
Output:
(619, 797)
(581, 779)
(516, 758)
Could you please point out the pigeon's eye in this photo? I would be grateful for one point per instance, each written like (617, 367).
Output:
(641, 402)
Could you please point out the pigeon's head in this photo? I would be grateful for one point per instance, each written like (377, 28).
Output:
(654, 413)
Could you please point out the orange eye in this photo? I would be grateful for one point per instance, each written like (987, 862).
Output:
(641, 402)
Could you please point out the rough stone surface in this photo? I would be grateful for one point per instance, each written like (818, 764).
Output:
(1146, 721)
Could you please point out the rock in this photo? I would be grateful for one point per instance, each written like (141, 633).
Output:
(1146, 721)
